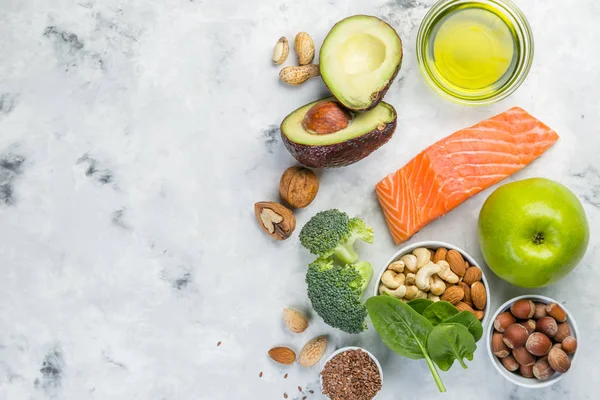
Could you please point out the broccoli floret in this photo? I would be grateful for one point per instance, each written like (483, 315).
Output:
(333, 233)
(335, 292)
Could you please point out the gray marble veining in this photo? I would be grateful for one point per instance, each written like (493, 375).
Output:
(135, 137)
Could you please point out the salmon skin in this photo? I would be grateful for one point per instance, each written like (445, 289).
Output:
(458, 167)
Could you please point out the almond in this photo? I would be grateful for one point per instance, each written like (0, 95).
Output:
(467, 289)
(294, 320)
(282, 355)
(478, 295)
(456, 261)
(453, 294)
(312, 351)
(479, 314)
(462, 306)
(440, 254)
(472, 275)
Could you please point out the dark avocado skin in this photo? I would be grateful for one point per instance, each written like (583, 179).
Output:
(343, 153)
(377, 96)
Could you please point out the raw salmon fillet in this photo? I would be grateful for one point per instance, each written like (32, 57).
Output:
(458, 167)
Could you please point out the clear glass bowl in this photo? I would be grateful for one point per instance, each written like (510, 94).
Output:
(523, 51)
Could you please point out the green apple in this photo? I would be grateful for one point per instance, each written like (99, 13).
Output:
(533, 232)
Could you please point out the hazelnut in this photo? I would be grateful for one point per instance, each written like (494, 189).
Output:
(556, 312)
(557, 345)
(542, 369)
(523, 357)
(503, 320)
(515, 336)
(529, 325)
(540, 310)
(559, 360)
(275, 220)
(510, 363)
(499, 348)
(538, 344)
(523, 309)
(326, 117)
(298, 186)
(526, 371)
(563, 331)
(569, 345)
(547, 325)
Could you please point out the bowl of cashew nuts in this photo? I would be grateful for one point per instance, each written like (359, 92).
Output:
(437, 271)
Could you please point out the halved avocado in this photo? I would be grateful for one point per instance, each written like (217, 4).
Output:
(360, 58)
(365, 132)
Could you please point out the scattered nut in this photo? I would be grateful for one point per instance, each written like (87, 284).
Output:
(499, 348)
(569, 345)
(547, 325)
(281, 50)
(559, 360)
(523, 357)
(453, 294)
(305, 48)
(538, 344)
(456, 261)
(312, 351)
(556, 312)
(542, 369)
(503, 320)
(300, 74)
(540, 311)
(510, 363)
(523, 309)
(440, 254)
(515, 336)
(282, 355)
(275, 220)
(298, 186)
(472, 275)
(562, 332)
(294, 320)
(478, 295)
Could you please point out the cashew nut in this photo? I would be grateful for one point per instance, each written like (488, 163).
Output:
(411, 292)
(397, 266)
(421, 295)
(410, 262)
(433, 297)
(381, 287)
(397, 293)
(425, 273)
(392, 280)
(446, 273)
(436, 285)
(410, 278)
(423, 256)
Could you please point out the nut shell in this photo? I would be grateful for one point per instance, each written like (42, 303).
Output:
(298, 186)
(562, 332)
(299, 74)
(312, 351)
(540, 311)
(538, 344)
(542, 369)
(548, 326)
(503, 321)
(529, 325)
(472, 275)
(569, 345)
(281, 51)
(281, 230)
(499, 348)
(526, 371)
(523, 309)
(556, 312)
(305, 48)
(510, 363)
(515, 336)
(559, 360)
(524, 357)
(294, 320)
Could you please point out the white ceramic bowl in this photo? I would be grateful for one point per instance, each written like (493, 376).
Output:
(514, 377)
(435, 245)
(343, 349)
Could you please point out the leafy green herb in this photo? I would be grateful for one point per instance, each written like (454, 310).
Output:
(469, 321)
(419, 305)
(439, 311)
(449, 342)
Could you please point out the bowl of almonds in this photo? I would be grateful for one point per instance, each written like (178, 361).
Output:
(532, 341)
(437, 271)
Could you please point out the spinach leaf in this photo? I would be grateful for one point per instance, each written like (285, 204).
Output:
(403, 330)
(449, 342)
(419, 305)
(469, 321)
(439, 311)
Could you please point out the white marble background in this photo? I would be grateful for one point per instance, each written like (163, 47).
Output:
(135, 137)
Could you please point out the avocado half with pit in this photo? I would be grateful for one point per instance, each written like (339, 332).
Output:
(324, 134)
(359, 60)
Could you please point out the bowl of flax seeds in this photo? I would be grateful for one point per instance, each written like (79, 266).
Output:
(351, 373)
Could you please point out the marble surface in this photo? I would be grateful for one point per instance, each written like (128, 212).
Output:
(135, 137)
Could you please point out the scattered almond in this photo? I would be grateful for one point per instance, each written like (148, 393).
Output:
(305, 48)
(456, 261)
(440, 254)
(478, 295)
(453, 294)
(472, 275)
(282, 355)
(312, 351)
(294, 320)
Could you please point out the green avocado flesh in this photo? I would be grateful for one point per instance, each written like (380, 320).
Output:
(359, 59)
(360, 124)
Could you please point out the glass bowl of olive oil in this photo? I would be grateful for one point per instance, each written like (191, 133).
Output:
(475, 51)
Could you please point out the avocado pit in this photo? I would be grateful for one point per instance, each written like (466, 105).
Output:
(326, 117)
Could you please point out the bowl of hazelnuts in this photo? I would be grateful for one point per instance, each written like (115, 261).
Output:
(532, 341)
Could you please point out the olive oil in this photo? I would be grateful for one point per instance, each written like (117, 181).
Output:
(472, 49)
